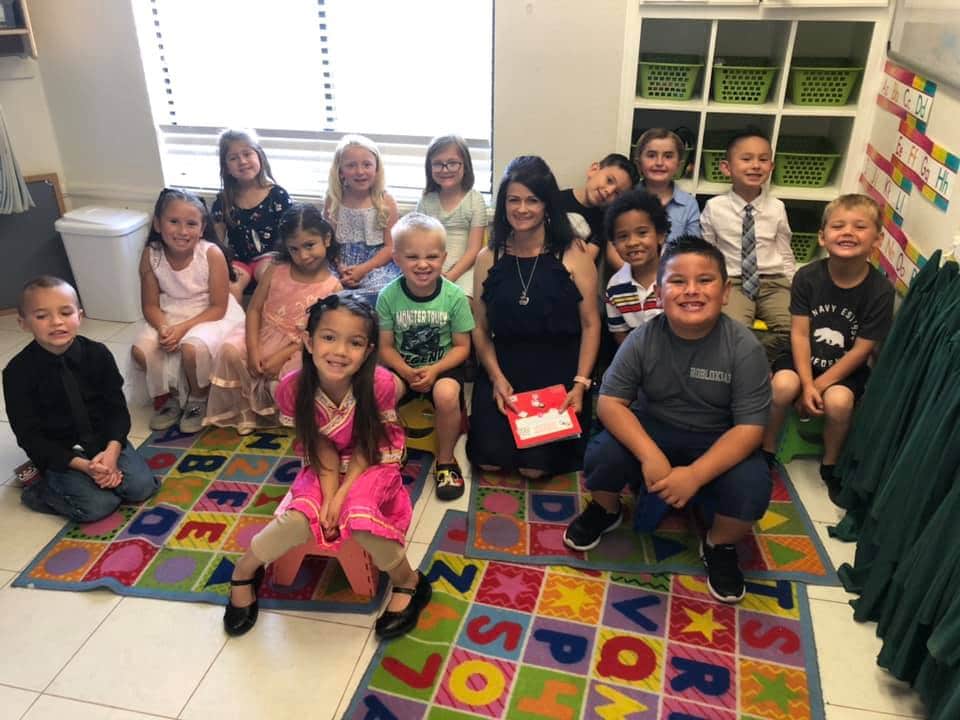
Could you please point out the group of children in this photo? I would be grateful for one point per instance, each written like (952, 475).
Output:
(686, 404)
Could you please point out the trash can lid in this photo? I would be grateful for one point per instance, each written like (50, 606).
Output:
(103, 221)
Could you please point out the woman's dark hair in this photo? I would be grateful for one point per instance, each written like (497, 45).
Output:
(440, 143)
(306, 218)
(534, 174)
(168, 195)
(368, 429)
(636, 200)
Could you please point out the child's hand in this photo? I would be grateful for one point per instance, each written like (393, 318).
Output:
(110, 480)
(503, 395)
(810, 402)
(677, 487)
(352, 275)
(171, 341)
(424, 378)
(254, 360)
(271, 366)
(654, 470)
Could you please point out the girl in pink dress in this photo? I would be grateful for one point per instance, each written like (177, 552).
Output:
(250, 363)
(343, 407)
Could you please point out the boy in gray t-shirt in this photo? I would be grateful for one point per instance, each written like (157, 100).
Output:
(684, 405)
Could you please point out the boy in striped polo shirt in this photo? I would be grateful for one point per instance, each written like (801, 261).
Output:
(636, 224)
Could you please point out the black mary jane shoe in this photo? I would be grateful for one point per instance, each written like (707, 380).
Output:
(239, 620)
(394, 624)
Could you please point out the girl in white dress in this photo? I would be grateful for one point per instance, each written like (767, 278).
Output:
(187, 308)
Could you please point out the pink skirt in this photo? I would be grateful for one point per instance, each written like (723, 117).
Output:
(376, 503)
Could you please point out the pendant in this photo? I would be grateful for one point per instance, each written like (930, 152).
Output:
(523, 299)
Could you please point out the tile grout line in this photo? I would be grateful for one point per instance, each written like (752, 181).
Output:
(82, 645)
(203, 677)
(356, 665)
(30, 706)
(105, 705)
(896, 716)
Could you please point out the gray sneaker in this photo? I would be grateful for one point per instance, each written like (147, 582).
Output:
(166, 416)
(193, 413)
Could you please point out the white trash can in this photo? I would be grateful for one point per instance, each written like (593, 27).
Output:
(104, 246)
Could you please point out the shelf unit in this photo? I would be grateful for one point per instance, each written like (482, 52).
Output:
(19, 39)
(781, 34)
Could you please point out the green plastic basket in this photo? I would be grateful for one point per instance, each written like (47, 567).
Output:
(804, 161)
(805, 225)
(822, 81)
(743, 80)
(714, 150)
(671, 77)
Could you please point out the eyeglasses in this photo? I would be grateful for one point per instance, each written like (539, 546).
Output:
(451, 165)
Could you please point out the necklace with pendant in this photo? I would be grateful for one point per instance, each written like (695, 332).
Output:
(524, 286)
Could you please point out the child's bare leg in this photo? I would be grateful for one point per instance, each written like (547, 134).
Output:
(838, 404)
(283, 533)
(403, 575)
(727, 530)
(188, 351)
(609, 501)
(446, 404)
(786, 388)
(138, 357)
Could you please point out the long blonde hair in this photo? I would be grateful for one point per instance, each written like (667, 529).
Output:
(335, 184)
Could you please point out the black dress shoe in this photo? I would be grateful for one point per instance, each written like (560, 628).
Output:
(239, 620)
(394, 624)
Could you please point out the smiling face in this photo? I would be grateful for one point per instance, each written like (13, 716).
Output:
(339, 345)
(748, 164)
(358, 169)
(659, 161)
(605, 184)
(243, 163)
(420, 255)
(446, 168)
(693, 294)
(180, 226)
(525, 211)
(636, 239)
(52, 316)
(308, 250)
(850, 233)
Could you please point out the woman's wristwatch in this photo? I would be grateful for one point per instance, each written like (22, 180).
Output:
(585, 381)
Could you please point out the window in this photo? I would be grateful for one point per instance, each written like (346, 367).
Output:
(305, 72)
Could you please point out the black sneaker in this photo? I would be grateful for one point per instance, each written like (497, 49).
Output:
(834, 486)
(585, 532)
(449, 481)
(724, 579)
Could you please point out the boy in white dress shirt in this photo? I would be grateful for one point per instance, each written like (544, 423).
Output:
(751, 229)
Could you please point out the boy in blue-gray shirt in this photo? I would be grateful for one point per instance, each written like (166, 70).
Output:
(684, 405)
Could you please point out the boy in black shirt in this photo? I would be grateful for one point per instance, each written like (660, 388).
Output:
(841, 309)
(64, 398)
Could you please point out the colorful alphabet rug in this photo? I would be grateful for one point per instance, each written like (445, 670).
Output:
(522, 520)
(219, 489)
(500, 640)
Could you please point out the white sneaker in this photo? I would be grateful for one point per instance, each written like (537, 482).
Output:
(193, 413)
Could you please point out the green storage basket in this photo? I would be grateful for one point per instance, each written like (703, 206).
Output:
(804, 161)
(668, 77)
(822, 81)
(714, 150)
(805, 225)
(743, 80)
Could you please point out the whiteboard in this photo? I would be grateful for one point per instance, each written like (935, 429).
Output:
(926, 37)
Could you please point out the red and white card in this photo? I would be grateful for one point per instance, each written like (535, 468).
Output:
(539, 420)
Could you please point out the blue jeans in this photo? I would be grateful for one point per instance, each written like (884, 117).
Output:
(76, 496)
(742, 492)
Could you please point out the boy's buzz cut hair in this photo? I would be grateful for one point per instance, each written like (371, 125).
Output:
(685, 244)
(751, 131)
(44, 281)
(418, 222)
(851, 201)
(622, 162)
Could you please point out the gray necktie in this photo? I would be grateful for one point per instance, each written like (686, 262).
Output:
(750, 275)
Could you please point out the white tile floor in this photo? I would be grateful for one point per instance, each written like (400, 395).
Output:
(97, 656)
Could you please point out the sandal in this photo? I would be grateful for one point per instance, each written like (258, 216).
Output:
(393, 624)
(240, 620)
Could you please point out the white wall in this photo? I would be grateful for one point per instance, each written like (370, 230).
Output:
(27, 113)
(94, 84)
